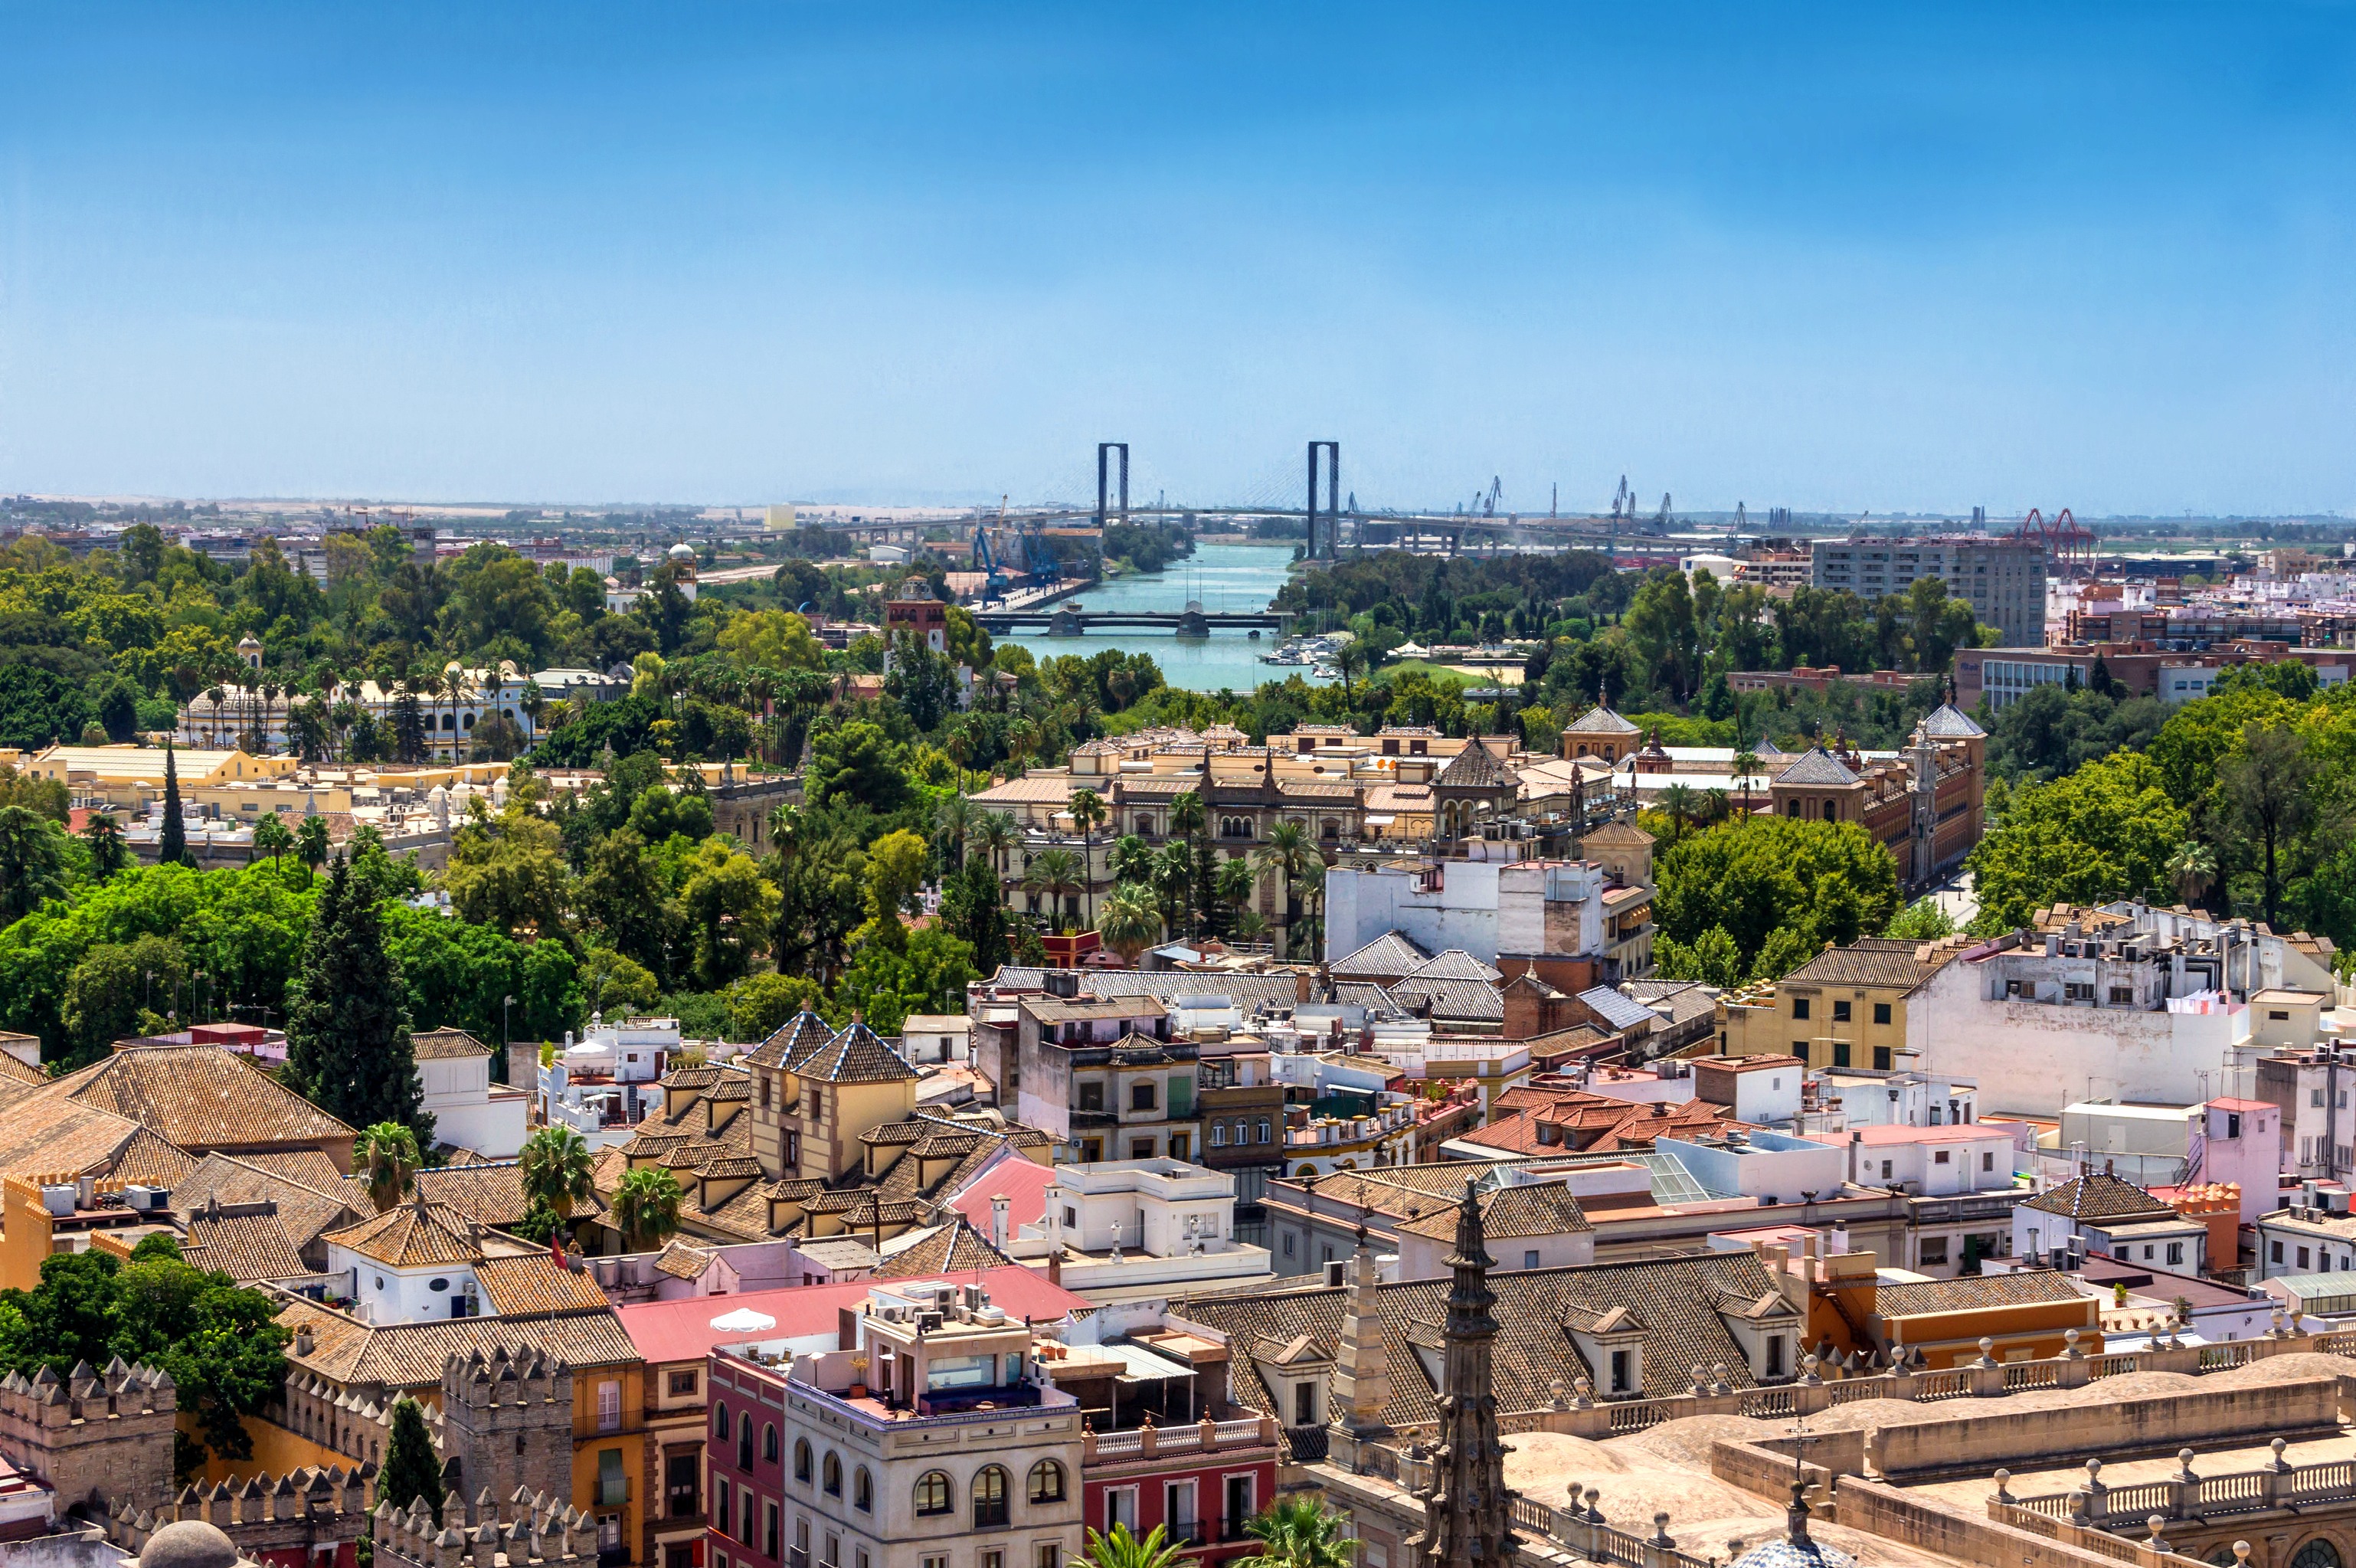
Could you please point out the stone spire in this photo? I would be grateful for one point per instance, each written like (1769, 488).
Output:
(1465, 1519)
(1361, 1384)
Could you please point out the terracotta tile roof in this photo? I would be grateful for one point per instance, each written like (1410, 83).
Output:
(490, 1193)
(949, 1248)
(1508, 1213)
(151, 1161)
(20, 1071)
(1971, 1294)
(684, 1260)
(312, 1167)
(1457, 1001)
(447, 1044)
(858, 1055)
(1456, 964)
(247, 1242)
(1615, 834)
(1876, 961)
(199, 1097)
(304, 1212)
(1531, 1121)
(40, 1132)
(2098, 1195)
(1674, 1303)
(410, 1233)
(533, 1283)
(410, 1355)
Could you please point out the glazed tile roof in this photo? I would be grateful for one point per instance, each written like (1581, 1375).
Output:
(1674, 1303)
(447, 1044)
(533, 1283)
(1916, 1298)
(1619, 1012)
(1387, 957)
(856, 1055)
(1471, 768)
(1599, 720)
(798, 1035)
(1686, 999)
(410, 1234)
(949, 1248)
(1946, 722)
(410, 1355)
(199, 1097)
(248, 1243)
(2099, 1194)
(1817, 766)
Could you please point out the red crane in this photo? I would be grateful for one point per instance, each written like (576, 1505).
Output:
(2070, 542)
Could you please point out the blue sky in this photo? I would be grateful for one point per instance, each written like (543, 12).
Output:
(1830, 257)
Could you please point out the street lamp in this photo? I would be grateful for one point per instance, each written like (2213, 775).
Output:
(505, 1002)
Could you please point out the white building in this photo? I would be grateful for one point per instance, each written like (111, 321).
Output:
(1774, 1168)
(1491, 909)
(419, 1262)
(602, 1085)
(1932, 1162)
(469, 1111)
(937, 1037)
(1126, 1227)
(449, 717)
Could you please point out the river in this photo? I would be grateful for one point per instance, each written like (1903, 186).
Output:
(1225, 577)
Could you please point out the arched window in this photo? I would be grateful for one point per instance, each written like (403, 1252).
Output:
(2316, 1553)
(720, 1421)
(768, 1443)
(832, 1475)
(743, 1442)
(1046, 1482)
(862, 1490)
(933, 1493)
(802, 1460)
(990, 1501)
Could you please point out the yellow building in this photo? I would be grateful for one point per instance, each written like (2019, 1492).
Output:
(1845, 1007)
(128, 777)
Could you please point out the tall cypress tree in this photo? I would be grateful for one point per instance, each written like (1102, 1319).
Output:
(410, 1468)
(348, 1047)
(171, 847)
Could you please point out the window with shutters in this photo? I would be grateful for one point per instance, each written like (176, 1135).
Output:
(609, 1407)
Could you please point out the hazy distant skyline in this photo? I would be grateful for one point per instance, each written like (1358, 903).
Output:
(1840, 260)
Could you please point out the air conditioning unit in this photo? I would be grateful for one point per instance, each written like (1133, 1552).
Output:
(146, 1200)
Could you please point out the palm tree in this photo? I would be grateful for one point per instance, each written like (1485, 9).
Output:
(954, 822)
(270, 835)
(993, 833)
(1298, 1533)
(1678, 800)
(534, 703)
(1021, 738)
(1351, 659)
(388, 1154)
(1056, 872)
(1234, 884)
(2194, 869)
(556, 1170)
(1129, 922)
(311, 841)
(1745, 763)
(1122, 1549)
(1312, 904)
(1286, 855)
(645, 1207)
(1186, 814)
(1089, 812)
(1171, 876)
(456, 686)
(1129, 861)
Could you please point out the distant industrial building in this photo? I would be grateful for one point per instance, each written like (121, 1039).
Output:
(2003, 579)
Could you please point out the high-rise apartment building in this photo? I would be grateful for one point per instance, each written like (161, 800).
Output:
(2003, 579)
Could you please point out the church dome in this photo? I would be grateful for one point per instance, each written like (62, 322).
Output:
(189, 1543)
(1784, 1552)
(682, 552)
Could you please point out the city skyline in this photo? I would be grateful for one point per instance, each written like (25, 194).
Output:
(1849, 262)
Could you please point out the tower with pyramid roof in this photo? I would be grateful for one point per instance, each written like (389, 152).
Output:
(1466, 1517)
